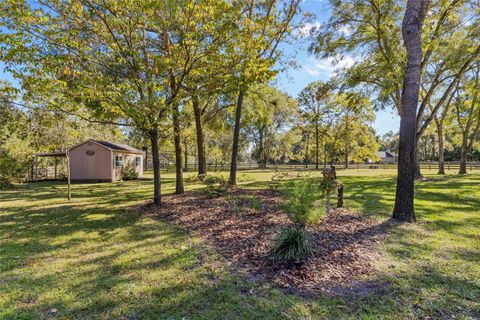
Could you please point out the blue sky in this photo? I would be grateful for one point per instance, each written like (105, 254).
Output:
(309, 67)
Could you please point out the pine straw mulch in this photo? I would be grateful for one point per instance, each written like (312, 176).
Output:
(344, 242)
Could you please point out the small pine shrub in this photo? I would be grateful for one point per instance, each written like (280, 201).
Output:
(216, 185)
(292, 245)
(129, 172)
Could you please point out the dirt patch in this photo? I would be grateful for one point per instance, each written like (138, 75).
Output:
(242, 231)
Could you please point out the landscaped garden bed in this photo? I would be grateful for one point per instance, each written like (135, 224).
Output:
(241, 226)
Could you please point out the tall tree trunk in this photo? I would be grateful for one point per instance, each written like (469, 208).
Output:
(156, 167)
(463, 155)
(346, 158)
(145, 159)
(441, 148)
(178, 152)
(325, 155)
(202, 162)
(306, 150)
(236, 139)
(418, 172)
(261, 150)
(185, 153)
(316, 146)
(412, 38)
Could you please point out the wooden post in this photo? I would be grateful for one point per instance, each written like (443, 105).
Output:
(448, 165)
(340, 196)
(55, 170)
(470, 166)
(69, 193)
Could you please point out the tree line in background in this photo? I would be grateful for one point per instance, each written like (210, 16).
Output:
(193, 78)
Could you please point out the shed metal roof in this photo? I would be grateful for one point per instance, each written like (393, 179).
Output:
(111, 146)
(118, 146)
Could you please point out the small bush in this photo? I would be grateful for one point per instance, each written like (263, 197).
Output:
(255, 203)
(304, 201)
(235, 203)
(5, 183)
(129, 172)
(292, 245)
(191, 179)
(245, 178)
(216, 185)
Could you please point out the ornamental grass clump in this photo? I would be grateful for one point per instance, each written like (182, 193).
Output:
(292, 245)
(216, 185)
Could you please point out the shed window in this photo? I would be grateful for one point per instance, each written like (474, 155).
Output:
(137, 161)
(118, 161)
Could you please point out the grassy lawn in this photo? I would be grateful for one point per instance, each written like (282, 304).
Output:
(96, 257)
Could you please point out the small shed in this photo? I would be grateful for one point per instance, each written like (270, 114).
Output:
(386, 157)
(102, 161)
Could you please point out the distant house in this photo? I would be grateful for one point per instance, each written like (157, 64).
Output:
(102, 161)
(386, 157)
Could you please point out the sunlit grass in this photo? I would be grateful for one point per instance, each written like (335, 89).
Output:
(95, 257)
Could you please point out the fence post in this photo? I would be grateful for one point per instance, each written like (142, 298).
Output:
(429, 166)
(448, 165)
(470, 166)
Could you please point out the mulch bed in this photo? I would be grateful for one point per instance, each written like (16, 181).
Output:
(344, 242)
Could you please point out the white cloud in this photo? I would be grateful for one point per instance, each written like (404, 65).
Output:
(307, 29)
(328, 66)
(311, 70)
(346, 30)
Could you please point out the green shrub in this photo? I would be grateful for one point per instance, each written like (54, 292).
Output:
(5, 183)
(235, 203)
(304, 200)
(216, 185)
(255, 203)
(292, 245)
(191, 179)
(129, 172)
(245, 178)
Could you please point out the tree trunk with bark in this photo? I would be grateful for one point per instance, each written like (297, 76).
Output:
(262, 162)
(185, 153)
(156, 168)
(316, 146)
(202, 162)
(178, 152)
(441, 148)
(412, 38)
(463, 155)
(306, 150)
(418, 172)
(346, 158)
(236, 139)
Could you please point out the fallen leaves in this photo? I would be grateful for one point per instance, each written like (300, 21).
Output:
(344, 242)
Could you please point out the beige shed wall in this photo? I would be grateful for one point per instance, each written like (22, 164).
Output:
(96, 167)
(127, 158)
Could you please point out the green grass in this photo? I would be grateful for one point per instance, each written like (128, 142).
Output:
(95, 257)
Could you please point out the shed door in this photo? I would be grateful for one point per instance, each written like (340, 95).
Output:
(91, 167)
